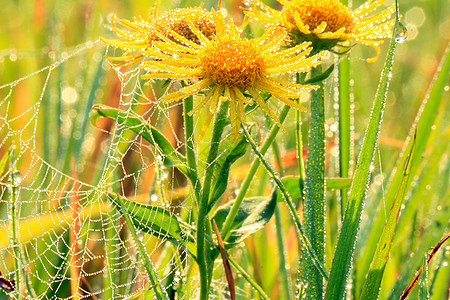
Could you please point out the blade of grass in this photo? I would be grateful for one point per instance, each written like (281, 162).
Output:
(157, 287)
(249, 279)
(291, 206)
(343, 254)
(428, 260)
(14, 215)
(372, 284)
(423, 284)
(424, 121)
(251, 173)
(344, 126)
(81, 120)
(285, 283)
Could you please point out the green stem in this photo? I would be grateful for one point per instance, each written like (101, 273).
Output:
(157, 287)
(317, 264)
(314, 204)
(249, 279)
(14, 217)
(344, 127)
(298, 129)
(285, 286)
(188, 105)
(203, 220)
(251, 174)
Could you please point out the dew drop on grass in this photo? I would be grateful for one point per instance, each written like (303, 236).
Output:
(401, 33)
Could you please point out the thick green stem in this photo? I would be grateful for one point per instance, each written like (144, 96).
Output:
(314, 204)
(315, 260)
(203, 220)
(251, 174)
(188, 105)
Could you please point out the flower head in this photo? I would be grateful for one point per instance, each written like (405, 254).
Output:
(228, 66)
(327, 22)
(137, 36)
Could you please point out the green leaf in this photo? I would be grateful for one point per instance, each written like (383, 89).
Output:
(230, 151)
(291, 183)
(338, 183)
(342, 258)
(153, 220)
(253, 214)
(321, 77)
(372, 284)
(170, 156)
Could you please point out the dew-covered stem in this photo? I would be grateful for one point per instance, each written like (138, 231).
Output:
(219, 125)
(314, 203)
(14, 182)
(225, 232)
(344, 127)
(315, 260)
(160, 291)
(300, 77)
(284, 273)
(188, 105)
(249, 279)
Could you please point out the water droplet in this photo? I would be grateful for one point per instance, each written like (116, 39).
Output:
(401, 33)
(17, 178)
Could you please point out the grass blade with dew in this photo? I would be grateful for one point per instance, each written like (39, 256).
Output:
(14, 215)
(284, 273)
(372, 284)
(426, 263)
(291, 206)
(345, 247)
(344, 126)
(424, 122)
(160, 291)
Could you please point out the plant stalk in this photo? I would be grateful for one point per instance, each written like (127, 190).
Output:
(314, 203)
(188, 105)
(14, 216)
(287, 198)
(225, 232)
(203, 220)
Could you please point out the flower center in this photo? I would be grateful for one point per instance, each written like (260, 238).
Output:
(176, 20)
(314, 12)
(234, 62)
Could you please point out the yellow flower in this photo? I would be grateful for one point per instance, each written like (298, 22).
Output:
(229, 65)
(327, 22)
(138, 35)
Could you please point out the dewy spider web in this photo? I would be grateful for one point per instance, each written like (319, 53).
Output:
(69, 241)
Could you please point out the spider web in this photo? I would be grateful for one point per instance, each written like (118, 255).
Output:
(70, 242)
